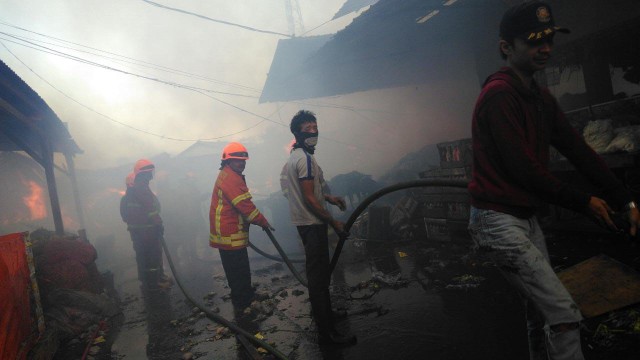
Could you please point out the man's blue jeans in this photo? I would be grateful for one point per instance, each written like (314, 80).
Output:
(518, 248)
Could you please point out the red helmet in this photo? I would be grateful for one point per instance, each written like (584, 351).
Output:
(130, 180)
(143, 165)
(235, 150)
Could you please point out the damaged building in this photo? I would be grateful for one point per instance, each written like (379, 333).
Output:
(408, 278)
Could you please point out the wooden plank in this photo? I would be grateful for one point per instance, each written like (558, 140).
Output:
(601, 284)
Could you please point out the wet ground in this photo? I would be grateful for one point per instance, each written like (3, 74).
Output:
(409, 300)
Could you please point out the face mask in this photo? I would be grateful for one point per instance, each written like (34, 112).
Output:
(310, 140)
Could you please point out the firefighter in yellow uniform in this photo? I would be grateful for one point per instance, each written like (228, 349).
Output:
(230, 215)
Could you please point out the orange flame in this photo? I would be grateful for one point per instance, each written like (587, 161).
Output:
(116, 191)
(35, 202)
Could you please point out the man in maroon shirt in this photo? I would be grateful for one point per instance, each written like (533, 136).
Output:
(514, 122)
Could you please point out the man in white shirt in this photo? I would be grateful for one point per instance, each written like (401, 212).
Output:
(307, 191)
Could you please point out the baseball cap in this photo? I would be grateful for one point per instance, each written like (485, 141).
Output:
(529, 21)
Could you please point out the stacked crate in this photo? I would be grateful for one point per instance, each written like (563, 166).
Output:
(445, 210)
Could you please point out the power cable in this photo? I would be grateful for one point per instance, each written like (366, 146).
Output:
(106, 67)
(46, 50)
(125, 124)
(152, 65)
(160, 135)
(168, 69)
(195, 89)
(178, 85)
(215, 20)
(371, 198)
(323, 24)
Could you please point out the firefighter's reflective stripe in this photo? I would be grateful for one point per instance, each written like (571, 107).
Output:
(240, 197)
(240, 239)
(231, 211)
(253, 215)
(153, 213)
(218, 212)
(240, 223)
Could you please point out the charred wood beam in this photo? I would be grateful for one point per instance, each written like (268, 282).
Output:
(47, 158)
(74, 185)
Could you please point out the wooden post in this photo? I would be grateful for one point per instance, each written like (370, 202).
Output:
(47, 163)
(74, 186)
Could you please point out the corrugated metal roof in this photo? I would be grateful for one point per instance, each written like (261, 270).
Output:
(353, 5)
(288, 68)
(409, 42)
(26, 119)
(387, 46)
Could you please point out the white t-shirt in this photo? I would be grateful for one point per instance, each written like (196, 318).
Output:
(302, 166)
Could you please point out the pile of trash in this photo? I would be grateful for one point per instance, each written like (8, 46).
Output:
(605, 139)
(617, 334)
(77, 309)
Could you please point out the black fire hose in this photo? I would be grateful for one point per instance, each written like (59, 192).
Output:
(217, 318)
(273, 257)
(371, 198)
(285, 258)
(354, 216)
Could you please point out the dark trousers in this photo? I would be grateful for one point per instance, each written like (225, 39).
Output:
(316, 249)
(146, 243)
(238, 273)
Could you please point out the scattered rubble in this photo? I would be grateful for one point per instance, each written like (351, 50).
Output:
(465, 282)
(393, 281)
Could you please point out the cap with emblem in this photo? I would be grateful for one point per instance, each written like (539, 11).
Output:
(529, 21)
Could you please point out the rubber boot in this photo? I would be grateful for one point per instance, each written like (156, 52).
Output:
(564, 345)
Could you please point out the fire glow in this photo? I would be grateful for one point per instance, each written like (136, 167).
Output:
(116, 191)
(34, 201)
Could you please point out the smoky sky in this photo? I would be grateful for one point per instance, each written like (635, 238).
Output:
(387, 125)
